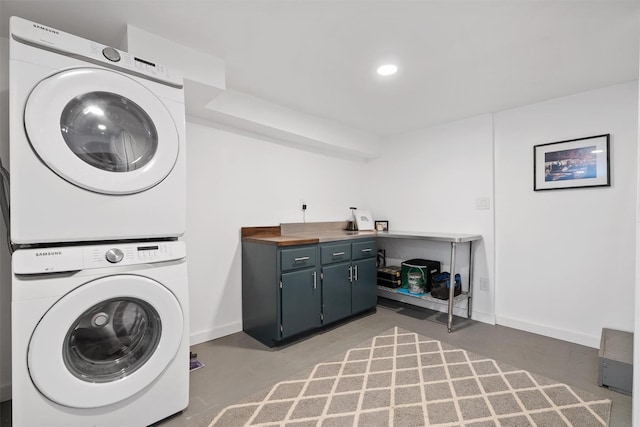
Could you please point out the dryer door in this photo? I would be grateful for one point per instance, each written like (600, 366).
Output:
(105, 341)
(101, 130)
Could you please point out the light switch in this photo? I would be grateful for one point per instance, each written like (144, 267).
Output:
(483, 203)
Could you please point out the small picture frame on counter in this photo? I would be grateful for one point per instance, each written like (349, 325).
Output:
(364, 219)
(382, 225)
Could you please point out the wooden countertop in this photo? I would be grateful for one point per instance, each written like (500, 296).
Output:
(281, 240)
(272, 235)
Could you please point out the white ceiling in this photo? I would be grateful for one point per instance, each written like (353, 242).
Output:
(457, 59)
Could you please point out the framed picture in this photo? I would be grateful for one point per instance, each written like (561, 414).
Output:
(382, 225)
(364, 220)
(576, 163)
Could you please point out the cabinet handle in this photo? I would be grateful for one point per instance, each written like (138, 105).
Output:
(314, 280)
(338, 253)
(350, 274)
(356, 272)
(367, 250)
(302, 258)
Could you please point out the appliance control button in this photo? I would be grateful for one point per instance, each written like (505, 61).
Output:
(114, 255)
(111, 54)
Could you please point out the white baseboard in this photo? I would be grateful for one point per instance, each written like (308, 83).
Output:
(484, 317)
(217, 332)
(5, 392)
(548, 331)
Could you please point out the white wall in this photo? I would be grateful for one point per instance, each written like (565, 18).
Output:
(5, 259)
(565, 259)
(239, 181)
(429, 181)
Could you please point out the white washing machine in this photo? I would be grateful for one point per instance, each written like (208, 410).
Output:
(97, 141)
(100, 334)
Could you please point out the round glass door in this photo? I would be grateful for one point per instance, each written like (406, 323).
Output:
(112, 340)
(105, 341)
(109, 132)
(102, 130)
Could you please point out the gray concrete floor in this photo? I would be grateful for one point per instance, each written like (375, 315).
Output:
(237, 366)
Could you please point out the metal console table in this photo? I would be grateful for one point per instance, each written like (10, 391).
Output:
(452, 238)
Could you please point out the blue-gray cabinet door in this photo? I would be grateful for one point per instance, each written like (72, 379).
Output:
(364, 288)
(336, 292)
(300, 302)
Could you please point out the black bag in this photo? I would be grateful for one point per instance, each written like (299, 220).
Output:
(440, 285)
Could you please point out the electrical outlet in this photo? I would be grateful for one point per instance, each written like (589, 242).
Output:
(303, 208)
(484, 284)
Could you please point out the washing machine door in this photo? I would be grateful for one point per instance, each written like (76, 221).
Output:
(101, 131)
(105, 341)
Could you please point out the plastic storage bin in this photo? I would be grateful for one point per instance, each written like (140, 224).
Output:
(424, 266)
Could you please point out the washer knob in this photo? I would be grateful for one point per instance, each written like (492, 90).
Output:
(111, 54)
(114, 255)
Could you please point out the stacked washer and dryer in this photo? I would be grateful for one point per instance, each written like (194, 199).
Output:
(100, 319)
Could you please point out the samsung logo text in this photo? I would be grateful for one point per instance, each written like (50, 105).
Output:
(49, 30)
(49, 253)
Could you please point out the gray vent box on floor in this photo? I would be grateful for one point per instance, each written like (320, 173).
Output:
(615, 362)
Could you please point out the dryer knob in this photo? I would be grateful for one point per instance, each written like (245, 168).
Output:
(111, 54)
(114, 255)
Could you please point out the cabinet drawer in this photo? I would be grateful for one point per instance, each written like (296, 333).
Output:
(335, 253)
(291, 259)
(364, 249)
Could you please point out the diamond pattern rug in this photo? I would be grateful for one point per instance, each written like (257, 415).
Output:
(404, 379)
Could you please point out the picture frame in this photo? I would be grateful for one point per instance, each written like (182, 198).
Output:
(364, 219)
(382, 225)
(574, 163)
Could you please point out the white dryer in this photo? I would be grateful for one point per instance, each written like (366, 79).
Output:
(100, 334)
(97, 141)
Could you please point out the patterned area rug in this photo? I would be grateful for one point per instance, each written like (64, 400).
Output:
(404, 379)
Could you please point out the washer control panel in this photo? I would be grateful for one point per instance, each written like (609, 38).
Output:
(75, 258)
(37, 35)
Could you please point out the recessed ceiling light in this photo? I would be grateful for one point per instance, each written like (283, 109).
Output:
(387, 69)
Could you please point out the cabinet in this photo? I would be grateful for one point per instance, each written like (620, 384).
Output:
(281, 295)
(348, 278)
(290, 290)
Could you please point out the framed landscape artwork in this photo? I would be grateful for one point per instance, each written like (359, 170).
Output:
(575, 163)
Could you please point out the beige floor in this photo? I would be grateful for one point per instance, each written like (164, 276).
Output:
(237, 366)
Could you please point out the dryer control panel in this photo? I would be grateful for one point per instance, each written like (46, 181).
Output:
(75, 258)
(48, 38)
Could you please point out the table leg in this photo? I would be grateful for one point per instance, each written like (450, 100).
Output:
(470, 294)
(452, 286)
